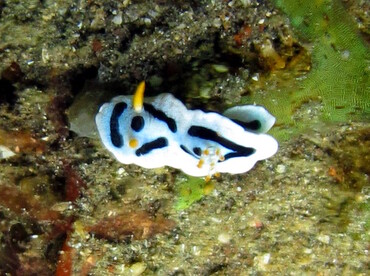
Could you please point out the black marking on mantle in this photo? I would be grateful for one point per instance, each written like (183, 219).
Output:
(160, 115)
(197, 151)
(254, 125)
(115, 136)
(188, 151)
(211, 135)
(146, 148)
(137, 123)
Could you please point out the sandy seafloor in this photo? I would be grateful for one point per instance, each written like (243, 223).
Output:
(67, 207)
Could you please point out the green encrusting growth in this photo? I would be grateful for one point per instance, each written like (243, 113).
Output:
(339, 78)
(189, 191)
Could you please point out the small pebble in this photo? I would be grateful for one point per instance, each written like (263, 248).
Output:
(224, 238)
(219, 68)
(255, 77)
(117, 19)
(137, 268)
(121, 171)
(266, 258)
(195, 250)
(5, 152)
(280, 168)
(324, 239)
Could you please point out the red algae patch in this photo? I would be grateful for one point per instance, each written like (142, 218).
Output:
(141, 225)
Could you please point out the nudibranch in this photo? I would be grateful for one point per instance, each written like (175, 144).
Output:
(161, 131)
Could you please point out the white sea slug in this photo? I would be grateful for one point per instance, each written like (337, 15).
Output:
(161, 131)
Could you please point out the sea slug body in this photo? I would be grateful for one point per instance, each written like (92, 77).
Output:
(161, 131)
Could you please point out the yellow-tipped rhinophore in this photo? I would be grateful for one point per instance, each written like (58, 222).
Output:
(138, 99)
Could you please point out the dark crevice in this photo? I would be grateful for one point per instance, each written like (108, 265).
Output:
(7, 93)
(78, 80)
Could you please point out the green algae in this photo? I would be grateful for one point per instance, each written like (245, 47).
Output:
(189, 190)
(339, 79)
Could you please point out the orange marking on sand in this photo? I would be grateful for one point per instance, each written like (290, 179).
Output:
(337, 175)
